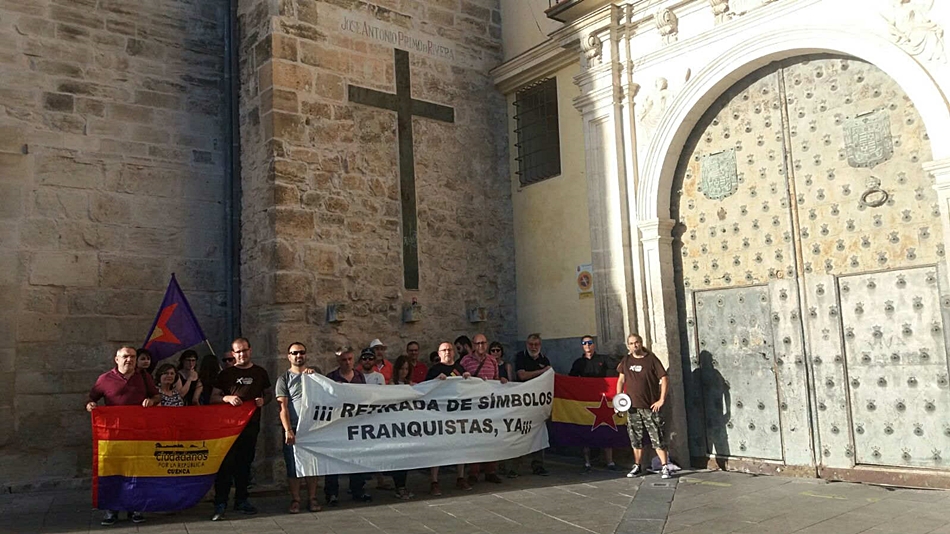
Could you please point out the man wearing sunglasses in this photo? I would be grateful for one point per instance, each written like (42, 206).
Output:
(592, 365)
(289, 393)
(368, 367)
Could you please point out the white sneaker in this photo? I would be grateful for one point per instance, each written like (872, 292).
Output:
(635, 472)
(665, 472)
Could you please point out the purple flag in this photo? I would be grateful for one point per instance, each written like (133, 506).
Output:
(175, 328)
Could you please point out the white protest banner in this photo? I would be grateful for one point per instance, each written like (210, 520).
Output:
(356, 428)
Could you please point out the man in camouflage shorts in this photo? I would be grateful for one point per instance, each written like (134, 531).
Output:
(643, 378)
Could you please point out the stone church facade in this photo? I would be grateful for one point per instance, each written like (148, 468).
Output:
(767, 189)
(117, 170)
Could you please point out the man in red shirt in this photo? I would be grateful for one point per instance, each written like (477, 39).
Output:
(480, 365)
(123, 386)
(417, 369)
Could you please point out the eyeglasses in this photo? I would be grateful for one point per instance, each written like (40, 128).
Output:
(228, 360)
(367, 357)
(298, 352)
(495, 350)
(587, 342)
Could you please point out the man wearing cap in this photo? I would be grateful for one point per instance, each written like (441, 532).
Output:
(368, 368)
(383, 366)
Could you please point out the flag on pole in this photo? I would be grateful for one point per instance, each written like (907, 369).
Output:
(175, 328)
(583, 415)
(160, 459)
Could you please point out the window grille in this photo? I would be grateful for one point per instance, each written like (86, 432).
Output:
(538, 142)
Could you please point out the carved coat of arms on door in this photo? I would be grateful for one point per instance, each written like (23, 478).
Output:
(718, 175)
(868, 140)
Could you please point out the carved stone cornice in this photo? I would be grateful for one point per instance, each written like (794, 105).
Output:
(656, 230)
(605, 96)
(538, 62)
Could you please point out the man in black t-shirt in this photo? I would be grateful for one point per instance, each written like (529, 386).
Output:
(243, 382)
(446, 367)
(531, 363)
(592, 365)
(644, 379)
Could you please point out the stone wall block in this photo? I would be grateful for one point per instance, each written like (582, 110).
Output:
(38, 327)
(133, 272)
(64, 269)
(69, 171)
(293, 223)
(292, 287)
(15, 168)
(291, 128)
(127, 329)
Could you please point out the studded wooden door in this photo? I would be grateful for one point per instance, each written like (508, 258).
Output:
(811, 267)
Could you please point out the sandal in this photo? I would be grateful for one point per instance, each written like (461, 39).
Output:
(294, 507)
(314, 506)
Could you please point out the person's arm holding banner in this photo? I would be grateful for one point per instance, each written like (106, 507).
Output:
(218, 397)
(154, 397)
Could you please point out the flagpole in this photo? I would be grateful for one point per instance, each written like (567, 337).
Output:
(208, 343)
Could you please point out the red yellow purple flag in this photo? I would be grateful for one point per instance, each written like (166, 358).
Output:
(582, 414)
(175, 328)
(160, 459)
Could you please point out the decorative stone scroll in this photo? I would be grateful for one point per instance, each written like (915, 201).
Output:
(913, 30)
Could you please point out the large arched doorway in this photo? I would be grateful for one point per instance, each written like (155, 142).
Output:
(810, 268)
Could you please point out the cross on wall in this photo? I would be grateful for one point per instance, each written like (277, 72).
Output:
(405, 107)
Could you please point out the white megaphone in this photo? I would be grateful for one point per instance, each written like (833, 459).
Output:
(621, 402)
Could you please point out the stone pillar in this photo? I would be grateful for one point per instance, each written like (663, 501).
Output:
(657, 242)
(602, 105)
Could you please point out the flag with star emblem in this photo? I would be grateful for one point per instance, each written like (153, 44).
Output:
(175, 328)
(583, 414)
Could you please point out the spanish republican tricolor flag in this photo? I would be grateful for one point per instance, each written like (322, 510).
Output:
(583, 416)
(160, 459)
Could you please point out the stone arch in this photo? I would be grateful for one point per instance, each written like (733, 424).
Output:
(653, 197)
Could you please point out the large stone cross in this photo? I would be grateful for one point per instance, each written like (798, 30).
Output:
(405, 107)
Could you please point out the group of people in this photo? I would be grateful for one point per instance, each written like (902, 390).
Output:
(238, 380)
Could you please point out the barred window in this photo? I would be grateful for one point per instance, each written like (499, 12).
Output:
(539, 146)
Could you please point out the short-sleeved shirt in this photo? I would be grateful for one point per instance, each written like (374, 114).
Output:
(486, 371)
(444, 369)
(248, 383)
(641, 379)
(289, 385)
(595, 367)
(418, 373)
(374, 378)
(335, 376)
(386, 369)
(117, 390)
(524, 362)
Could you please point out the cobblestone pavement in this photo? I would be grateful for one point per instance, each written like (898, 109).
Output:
(568, 501)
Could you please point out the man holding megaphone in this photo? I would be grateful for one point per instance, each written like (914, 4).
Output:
(643, 379)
